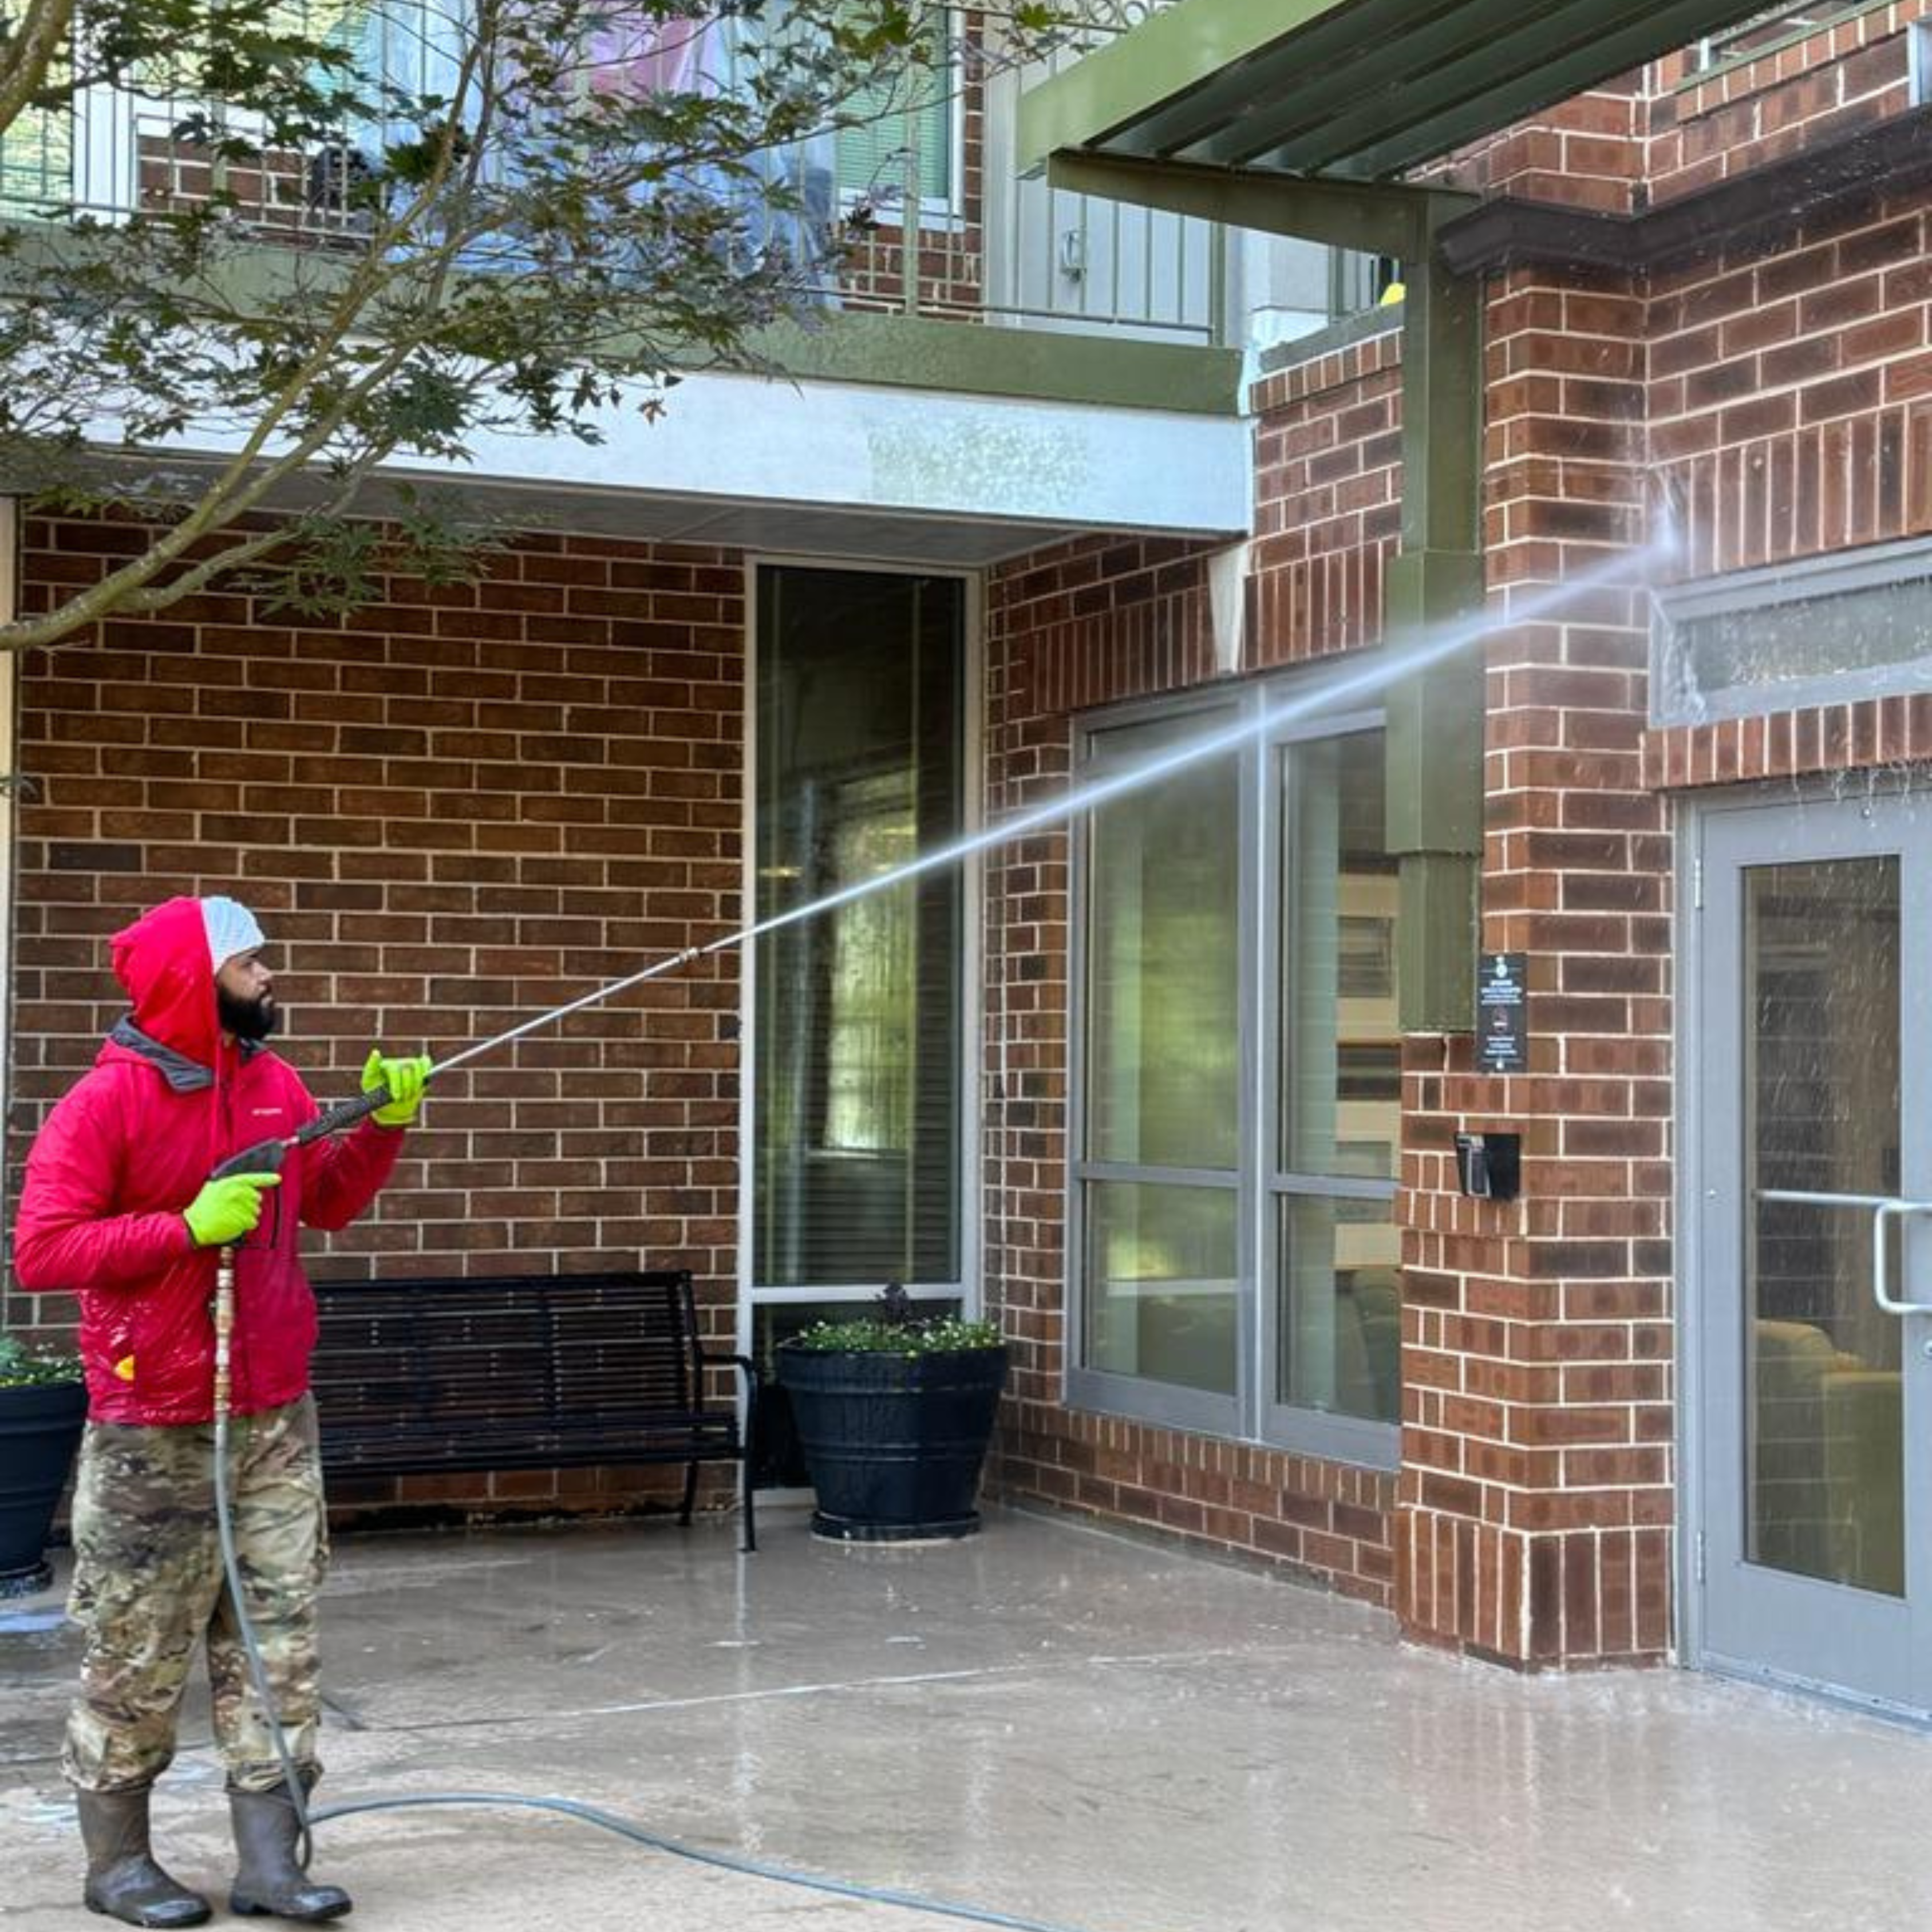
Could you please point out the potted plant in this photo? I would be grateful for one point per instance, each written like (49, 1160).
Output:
(894, 1411)
(42, 1405)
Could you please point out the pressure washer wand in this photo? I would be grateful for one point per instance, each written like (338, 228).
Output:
(267, 1156)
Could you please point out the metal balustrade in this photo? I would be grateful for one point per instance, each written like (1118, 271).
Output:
(1038, 258)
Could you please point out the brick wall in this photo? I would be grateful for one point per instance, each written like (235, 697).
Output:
(1790, 392)
(461, 806)
(1801, 88)
(1781, 401)
(1790, 403)
(1585, 152)
(1327, 498)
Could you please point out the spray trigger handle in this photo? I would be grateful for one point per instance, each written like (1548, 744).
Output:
(265, 1157)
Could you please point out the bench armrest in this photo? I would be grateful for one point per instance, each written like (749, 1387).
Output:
(748, 1370)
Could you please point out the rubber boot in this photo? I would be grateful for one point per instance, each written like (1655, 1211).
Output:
(123, 1880)
(267, 1878)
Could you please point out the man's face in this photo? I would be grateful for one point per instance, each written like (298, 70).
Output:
(245, 996)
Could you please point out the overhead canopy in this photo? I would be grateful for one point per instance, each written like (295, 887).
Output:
(1352, 90)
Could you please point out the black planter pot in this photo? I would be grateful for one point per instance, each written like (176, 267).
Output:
(894, 1443)
(40, 1425)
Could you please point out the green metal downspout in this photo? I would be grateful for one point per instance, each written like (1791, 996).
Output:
(1435, 781)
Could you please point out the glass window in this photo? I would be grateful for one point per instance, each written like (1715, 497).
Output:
(1341, 1048)
(1340, 1085)
(1162, 972)
(890, 123)
(1761, 32)
(1163, 1291)
(1239, 967)
(1851, 624)
(860, 1042)
(36, 162)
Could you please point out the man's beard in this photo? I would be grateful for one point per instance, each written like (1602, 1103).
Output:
(246, 1019)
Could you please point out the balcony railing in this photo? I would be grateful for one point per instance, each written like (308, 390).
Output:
(934, 219)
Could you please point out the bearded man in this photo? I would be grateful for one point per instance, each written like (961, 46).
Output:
(119, 1209)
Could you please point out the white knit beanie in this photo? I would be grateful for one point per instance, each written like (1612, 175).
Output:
(231, 929)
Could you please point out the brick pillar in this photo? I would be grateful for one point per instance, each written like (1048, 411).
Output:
(1535, 1505)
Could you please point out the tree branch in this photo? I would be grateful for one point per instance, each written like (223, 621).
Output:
(30, 53)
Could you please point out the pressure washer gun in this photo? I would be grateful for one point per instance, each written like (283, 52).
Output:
(266, 1157)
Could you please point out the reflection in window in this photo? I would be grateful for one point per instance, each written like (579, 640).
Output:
(888, 120)
(1164, 1289)
(1824, 1437)
(1162, 974)
(1163, 1069)
(869, 1020)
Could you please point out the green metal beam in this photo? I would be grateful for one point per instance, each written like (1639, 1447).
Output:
(924, 353)
(1442, 404)
(1175, 51)
(1434, 785)
(1378, 219)
(1358, 89)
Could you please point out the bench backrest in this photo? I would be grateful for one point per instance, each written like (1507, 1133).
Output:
(561, 1350)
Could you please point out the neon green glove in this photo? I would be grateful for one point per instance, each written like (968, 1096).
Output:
(226, 1209)
(404, 1078)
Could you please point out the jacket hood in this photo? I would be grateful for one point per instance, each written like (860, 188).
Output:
(165, 962)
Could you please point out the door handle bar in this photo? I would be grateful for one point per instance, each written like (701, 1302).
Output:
(1881, 1208)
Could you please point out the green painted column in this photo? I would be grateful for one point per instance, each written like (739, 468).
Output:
(1435, 799)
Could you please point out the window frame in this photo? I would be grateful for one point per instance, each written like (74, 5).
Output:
(1734, 593)
(967, 1291)
(1259, 1184)
(942, 211)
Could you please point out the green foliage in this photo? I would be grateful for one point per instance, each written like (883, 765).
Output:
(22, 1367)
(373, 259)
(895, 1329)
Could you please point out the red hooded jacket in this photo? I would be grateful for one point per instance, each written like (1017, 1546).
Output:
(127, 1149)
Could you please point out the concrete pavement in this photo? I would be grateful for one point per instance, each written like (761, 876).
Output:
(1045, 1722)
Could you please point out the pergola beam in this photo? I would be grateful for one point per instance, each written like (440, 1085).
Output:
(1374, 219)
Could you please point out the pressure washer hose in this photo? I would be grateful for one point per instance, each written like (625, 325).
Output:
(569, 1808)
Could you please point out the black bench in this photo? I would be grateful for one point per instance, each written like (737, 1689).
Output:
(523, 1372)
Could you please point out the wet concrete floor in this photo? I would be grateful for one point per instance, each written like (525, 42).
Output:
(1044, 1722)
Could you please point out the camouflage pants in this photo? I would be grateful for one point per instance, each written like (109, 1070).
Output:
(147, 1585)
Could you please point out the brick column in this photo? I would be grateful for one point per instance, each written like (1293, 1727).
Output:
(1535, 1505)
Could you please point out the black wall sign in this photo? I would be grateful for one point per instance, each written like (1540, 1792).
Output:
(1502, 1013)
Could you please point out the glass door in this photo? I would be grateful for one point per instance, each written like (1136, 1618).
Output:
(1811, 1308)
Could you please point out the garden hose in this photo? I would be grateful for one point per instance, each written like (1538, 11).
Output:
(308, 1818)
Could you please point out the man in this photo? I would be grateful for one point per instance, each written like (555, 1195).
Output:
(118, 1207)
